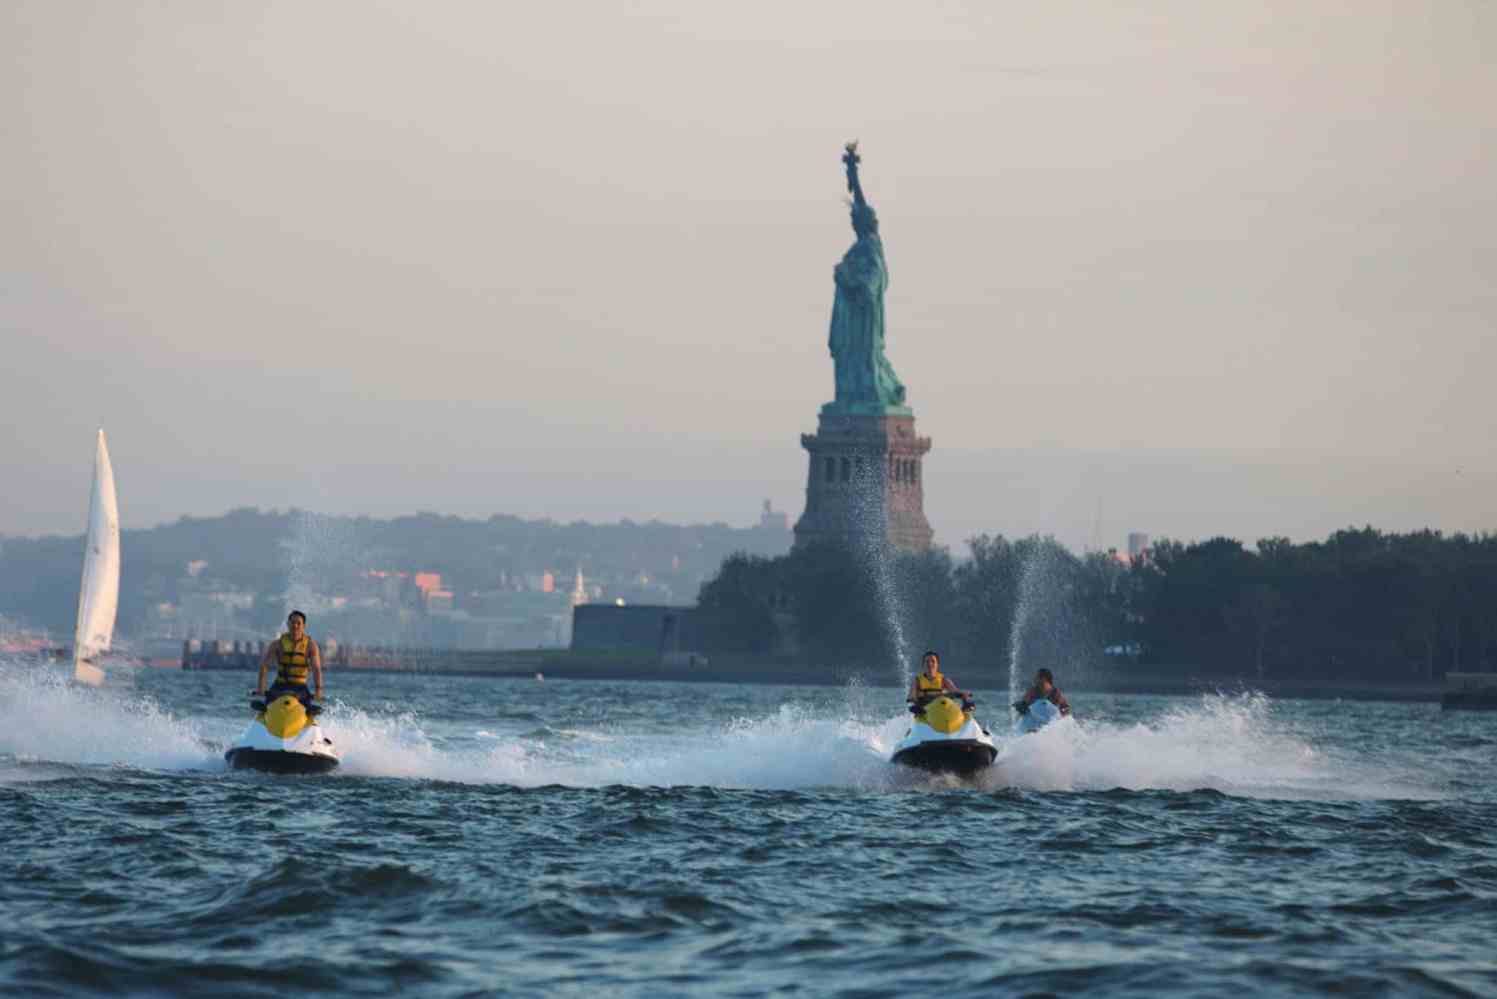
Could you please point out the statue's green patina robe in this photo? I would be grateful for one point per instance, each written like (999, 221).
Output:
(864, 374)
(865, 379)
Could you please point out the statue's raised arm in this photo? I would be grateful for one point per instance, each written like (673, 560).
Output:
(852, 159)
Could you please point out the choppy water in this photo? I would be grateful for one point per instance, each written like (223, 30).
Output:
(511, 837)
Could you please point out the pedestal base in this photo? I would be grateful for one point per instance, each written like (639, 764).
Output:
(865, 482)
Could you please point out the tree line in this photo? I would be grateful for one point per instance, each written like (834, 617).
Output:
(1360, 606)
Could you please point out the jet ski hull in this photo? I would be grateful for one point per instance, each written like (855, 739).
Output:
(279, 761)
(284, 738)
(1039, 714)
(945, 738)
(954, 756)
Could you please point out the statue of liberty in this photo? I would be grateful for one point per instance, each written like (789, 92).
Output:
(866, 382)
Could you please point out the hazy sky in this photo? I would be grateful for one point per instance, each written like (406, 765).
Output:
(1178, 267)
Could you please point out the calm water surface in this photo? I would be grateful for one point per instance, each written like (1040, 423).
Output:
(575, 838)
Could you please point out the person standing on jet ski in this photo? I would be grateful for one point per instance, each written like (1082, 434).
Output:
(295, 655)
(1043, 688)
(930, 682)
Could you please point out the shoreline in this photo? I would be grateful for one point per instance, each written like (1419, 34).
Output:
(566, 666)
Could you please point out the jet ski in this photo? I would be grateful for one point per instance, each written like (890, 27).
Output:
(1035, 717)
(284, 738)
(944, 737)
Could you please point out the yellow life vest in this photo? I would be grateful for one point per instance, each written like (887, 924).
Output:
(928, 685)
(292, 657)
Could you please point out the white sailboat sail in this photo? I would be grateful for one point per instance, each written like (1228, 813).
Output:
(98, 598)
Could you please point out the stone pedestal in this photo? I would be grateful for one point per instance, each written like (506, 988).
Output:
(865, 480)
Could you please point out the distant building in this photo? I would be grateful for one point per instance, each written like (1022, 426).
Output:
(1138, 545)
(771, 519)
(579, 590)
(388, 584)
(771, 536)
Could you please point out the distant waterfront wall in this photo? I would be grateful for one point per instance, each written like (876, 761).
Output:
(652, 629)
(245, 655)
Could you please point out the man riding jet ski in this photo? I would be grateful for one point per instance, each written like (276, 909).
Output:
(285, 736)
(944, 736)
(1041, 704)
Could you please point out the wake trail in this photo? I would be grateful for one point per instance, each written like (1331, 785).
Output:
(46, 718)
(1233, 744)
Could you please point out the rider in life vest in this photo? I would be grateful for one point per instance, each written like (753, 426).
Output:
(1043, 688)
(930, 682)
(295, 655)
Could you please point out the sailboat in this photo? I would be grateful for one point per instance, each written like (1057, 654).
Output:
(99, 596)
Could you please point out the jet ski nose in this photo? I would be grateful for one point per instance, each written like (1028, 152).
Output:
(285, 717)
(944, 715)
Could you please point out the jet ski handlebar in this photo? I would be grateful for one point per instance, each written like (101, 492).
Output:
(968, 701)
(258, 703)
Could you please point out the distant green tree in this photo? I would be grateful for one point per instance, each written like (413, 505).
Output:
(924, 587)
(737, 605)
(1361, 605)
(839, 617)
(987, 590)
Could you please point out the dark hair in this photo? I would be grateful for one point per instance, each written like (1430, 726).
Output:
(297, 614)
(1045, 674)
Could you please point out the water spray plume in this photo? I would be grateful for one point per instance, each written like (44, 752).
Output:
(1041, 627)
(878, 556)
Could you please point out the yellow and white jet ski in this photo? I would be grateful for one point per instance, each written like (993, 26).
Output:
(944, 737)
(284, 738)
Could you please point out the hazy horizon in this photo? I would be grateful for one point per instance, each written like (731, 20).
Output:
(1186, 270)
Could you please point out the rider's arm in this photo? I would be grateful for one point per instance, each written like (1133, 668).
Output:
(314, 658)
(1062, 703)
(914, 693)
(264, 665)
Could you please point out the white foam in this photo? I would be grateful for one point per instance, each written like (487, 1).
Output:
(788, 749)
(1236, 745)
(1229, 744)
(46, 718)
(1233, 744)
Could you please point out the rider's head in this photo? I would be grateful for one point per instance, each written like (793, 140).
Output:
(1044, 680)
(297, 622)
(931, 662)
